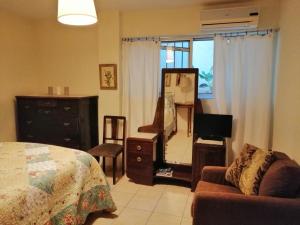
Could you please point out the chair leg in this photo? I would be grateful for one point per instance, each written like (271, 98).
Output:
(123, 170)
(103, 164)
(114, 170)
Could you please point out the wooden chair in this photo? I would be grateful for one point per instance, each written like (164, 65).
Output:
(109, 149)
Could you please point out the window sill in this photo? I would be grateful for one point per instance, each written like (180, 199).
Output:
(206, 96)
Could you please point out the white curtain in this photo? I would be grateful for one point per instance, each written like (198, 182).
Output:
(243, 87)
(141, 79)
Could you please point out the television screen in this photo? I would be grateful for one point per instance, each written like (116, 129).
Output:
(213, 126)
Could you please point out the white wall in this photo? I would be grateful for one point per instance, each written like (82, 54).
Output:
(287, 101)
(18, 69)
(51, 54)
(67, 56)
(109, 47)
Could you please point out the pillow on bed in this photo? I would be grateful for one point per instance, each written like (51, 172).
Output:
(247, 171)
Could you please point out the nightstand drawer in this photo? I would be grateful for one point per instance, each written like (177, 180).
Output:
(145, 148)
(137, 160)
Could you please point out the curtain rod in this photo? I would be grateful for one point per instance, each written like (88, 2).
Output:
(202, 36)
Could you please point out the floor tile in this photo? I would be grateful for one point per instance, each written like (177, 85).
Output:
(174, 206)
(186, 222)
(121, 198)
(132, 217)
(126, 186)
(178, 189)
(143, 203)
(163, 219)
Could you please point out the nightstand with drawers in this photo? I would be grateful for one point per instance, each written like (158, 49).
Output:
(206, 153)
(141, 157)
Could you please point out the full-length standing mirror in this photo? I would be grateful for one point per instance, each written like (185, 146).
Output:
(179, 93)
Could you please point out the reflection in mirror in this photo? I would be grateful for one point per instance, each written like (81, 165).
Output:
(179, 92)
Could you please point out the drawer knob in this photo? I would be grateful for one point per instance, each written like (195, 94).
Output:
(67, 139)
(139, 148)
(27, 107)
(47, 112)
(29, 122)
(67, 108)
(30, 136)
(139, 159)
(66, 124)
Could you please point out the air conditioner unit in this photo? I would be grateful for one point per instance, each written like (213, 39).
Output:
(229, 19)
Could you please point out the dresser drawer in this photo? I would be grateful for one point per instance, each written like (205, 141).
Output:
(26, 107)
(68, 127)
(67, 108)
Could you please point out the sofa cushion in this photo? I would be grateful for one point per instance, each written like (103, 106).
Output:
(247, 171)
(212, 187)
(281, 180)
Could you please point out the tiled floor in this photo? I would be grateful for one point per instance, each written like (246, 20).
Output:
(146, 205)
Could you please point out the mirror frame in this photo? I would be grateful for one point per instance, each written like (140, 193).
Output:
(165, 71)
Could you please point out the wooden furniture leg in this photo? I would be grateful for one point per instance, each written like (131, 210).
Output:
(123, 159)
(103, 164)
(189, 121)
(114, 170)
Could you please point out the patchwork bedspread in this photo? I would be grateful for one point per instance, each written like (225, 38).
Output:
(44, 184)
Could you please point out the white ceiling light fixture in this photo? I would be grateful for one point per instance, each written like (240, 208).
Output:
(77, 12)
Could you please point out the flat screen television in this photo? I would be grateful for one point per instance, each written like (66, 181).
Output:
(213, 126)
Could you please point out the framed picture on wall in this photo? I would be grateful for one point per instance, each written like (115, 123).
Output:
(108, 76)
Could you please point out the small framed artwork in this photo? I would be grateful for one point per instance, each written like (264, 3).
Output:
(167, 80)
(108, 76)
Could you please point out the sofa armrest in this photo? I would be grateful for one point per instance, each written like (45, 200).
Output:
(214, 174)
(212, 208)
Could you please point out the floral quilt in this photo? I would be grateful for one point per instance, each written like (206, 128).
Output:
(49, 185)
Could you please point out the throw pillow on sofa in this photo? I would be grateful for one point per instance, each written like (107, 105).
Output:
(247, 171)
(281, 179)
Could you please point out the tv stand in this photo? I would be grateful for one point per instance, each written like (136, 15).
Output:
(206, 153)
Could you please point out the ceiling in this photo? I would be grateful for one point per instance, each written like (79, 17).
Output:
(46, 8)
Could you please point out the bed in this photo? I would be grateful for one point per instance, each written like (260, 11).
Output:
(49, 185)
(169, 115)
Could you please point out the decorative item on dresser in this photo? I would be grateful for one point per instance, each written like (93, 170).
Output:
(69, 121)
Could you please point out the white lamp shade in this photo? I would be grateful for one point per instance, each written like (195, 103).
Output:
(77, 12)
(170, 55)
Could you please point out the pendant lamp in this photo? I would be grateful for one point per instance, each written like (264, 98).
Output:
(77, 12)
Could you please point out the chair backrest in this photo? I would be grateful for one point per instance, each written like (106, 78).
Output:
(115, 122)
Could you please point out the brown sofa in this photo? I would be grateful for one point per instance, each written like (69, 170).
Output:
(216, 202)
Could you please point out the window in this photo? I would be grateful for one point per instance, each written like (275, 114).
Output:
(202, 57)
(180, 54)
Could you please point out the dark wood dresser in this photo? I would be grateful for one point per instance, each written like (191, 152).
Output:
(206, 153)
(68, 121)
(140, 157)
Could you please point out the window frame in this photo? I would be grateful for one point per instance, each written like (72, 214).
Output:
(191, 40)
(178, 48)
(206, 95)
